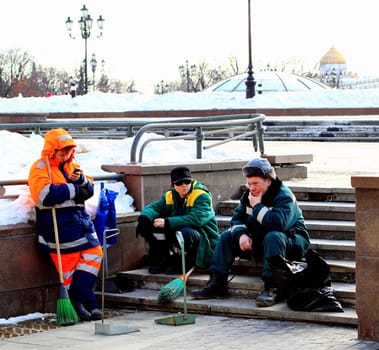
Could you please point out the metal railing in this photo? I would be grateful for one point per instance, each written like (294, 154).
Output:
(249, 125)
(82, 127)
(227, 127)
(18, 182)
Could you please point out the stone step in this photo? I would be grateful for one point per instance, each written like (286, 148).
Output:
(243, 289)
(328, 210)
(241, 285)
(281, 129)
(332, 229)
(305, 131)
(311, 209)
(324, 194)
(326, 122)
(323, 137)
(314, 193)
(337, 249)
(341, 269)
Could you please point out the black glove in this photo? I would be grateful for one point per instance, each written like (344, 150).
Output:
(81, 195)
(144, 227)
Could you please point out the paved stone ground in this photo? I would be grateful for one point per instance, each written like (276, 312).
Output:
(208, 333)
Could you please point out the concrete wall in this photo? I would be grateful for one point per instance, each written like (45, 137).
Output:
(367, 255)
(28, 280)
(146, 182)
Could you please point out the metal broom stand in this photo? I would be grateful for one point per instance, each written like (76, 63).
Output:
(185, 318)
(102, 328)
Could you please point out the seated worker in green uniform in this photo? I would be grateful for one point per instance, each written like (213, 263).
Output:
(267, 223)
(186, 207)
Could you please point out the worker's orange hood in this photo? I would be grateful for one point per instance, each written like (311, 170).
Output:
(56, 139)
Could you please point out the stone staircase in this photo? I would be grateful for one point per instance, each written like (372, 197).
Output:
(329, 214)
(327, 129)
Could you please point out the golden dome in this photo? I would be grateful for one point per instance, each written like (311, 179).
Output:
(332, 57)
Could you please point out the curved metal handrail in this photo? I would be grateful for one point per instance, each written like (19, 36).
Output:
(254, 123)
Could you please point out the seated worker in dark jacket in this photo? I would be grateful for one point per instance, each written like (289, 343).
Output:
(186, 207)
(267, 223)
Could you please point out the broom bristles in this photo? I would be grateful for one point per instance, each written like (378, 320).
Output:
(65, 314)
(171, 291)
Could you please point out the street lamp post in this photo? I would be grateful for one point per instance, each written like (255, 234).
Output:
(85, 25)
(93, 66)
(186, 72)
(161, 88)
(250, 82)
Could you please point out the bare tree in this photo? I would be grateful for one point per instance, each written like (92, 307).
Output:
(103, 84)
(16, 66)
(233, 62)
(49, 80)
(119, 87)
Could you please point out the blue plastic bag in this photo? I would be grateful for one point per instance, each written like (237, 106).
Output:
(105, 220)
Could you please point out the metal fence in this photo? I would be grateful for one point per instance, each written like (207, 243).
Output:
(20, 182)
(228, 128)
(224, 128)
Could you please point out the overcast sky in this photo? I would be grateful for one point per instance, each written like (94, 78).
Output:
(147, 40)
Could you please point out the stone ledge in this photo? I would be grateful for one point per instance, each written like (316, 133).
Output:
(291, 159)
(210, 112)
(147, 182)
(365, 181)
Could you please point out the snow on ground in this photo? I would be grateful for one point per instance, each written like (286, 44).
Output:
(18, 151)
(107, 102)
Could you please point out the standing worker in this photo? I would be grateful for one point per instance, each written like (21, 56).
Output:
(56, 182)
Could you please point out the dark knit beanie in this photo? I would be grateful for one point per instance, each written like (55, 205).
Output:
(180, 173)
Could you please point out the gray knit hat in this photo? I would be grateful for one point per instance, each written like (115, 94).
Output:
(259, 167)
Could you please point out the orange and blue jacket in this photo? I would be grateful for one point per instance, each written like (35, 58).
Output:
(50, 186)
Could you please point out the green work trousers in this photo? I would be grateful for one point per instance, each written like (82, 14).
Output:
(275, 243)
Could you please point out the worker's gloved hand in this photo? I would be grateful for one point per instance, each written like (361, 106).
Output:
(81, 195)
(144, 227)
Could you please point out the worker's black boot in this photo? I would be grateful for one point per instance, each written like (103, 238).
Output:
(158, 256)
(81, 311)
(217, 287)
(269, 295)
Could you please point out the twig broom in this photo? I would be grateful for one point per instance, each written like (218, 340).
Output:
(173, 289)
(65, 312)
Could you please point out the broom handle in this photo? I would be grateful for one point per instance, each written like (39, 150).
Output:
(180, 239)
(56, 235)
(59, 258)
(186, 276)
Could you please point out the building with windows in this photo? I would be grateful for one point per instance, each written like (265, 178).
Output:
(332, 67)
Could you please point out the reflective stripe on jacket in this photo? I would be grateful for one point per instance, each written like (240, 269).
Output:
(197, 212)
(50, 186)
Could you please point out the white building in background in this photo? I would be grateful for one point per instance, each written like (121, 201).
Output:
(333, 72)
(332, 67)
